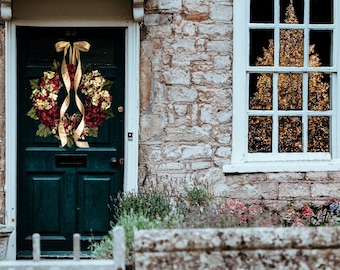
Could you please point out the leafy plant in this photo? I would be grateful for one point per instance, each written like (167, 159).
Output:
(129, 222)
(198, 195)
(149, 203)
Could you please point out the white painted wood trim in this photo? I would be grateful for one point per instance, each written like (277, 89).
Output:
(11, 135)
(132, 103)
(282, 166)
(131, 109)
(241, 160)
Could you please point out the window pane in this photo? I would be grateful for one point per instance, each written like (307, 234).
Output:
(291, 47)
(318, 91)
(318, 134)
(260, 134)
(290, 134)
(291, 11)
(321, 11)
(320, 48)
(261, 48)
(290, 91)
(262, 11)
(260, 91)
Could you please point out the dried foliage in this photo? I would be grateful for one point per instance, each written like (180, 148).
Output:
(290, 96)
(260, 139)
(318, 134)
(290, 134)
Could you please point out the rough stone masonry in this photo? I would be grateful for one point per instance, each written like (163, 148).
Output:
(186, 108)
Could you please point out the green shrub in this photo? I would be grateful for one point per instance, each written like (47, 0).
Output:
(198, 195)
(103, 249)
(152, 204)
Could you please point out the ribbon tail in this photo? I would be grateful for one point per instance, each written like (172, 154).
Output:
(81, 126)
(67, 82)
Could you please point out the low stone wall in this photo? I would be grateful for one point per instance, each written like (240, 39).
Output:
(238, 248)
(5, 232)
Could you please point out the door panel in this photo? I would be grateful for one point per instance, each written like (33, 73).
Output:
(62, 191)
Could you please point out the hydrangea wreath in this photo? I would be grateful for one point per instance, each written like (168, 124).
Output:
(46, 107)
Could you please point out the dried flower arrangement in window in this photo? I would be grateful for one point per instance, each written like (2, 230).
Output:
(290, 97)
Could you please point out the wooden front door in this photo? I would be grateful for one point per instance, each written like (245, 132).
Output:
(62, 191)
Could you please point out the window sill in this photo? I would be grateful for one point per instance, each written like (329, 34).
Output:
(282, 166)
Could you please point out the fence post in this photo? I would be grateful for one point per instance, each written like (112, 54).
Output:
(76, 246)
(36, 246)
(119, 248)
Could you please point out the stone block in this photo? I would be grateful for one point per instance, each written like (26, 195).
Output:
(196, 17)
(177, 76)
(170, 4)
(196, 151)
(325, 189)
(150, 126)
(294, 190)
(220, 46)
(187, 134)
(215, 30)
(180, 45)
(157, 19)
(210, 78)
(221, 13)
(317, 176)
(182, 94)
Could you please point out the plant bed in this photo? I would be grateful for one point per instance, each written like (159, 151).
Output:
(199, 230)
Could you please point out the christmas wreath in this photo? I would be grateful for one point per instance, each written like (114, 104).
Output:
(53, 115)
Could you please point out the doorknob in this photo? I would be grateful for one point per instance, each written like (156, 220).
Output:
(114, 161)
(120, 109)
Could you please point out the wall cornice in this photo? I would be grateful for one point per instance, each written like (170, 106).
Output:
(5, 10)
(138, 10)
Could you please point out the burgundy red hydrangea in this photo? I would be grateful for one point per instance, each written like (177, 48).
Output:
(46, 107)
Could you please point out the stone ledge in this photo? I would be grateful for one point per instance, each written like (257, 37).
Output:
(238, 248)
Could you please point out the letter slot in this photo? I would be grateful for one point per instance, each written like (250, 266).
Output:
(71, 160)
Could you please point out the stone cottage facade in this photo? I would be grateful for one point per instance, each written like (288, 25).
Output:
(186, 110)
(185, 117)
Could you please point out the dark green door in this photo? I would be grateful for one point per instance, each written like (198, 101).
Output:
(66, 190)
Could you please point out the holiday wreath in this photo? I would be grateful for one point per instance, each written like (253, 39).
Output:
(54, 117)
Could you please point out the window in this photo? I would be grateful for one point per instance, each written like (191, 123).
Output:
(285, 86)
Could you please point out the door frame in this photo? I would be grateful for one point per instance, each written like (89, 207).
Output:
(131, 111)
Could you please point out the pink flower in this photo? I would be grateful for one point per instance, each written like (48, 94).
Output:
(306, 212)
(235, 205)
(254, 210)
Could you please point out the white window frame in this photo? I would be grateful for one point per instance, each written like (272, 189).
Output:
(241, 160)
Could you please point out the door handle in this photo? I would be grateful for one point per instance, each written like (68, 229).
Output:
(114, 161)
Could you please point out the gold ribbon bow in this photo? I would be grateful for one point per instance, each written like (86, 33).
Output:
(74, 57)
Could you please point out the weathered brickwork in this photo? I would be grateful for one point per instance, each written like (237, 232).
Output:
(186, 108)
(2, 124)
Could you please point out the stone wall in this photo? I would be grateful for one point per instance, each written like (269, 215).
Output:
(238, 248)
(186, 108)
(2, 124)
(186, 60)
